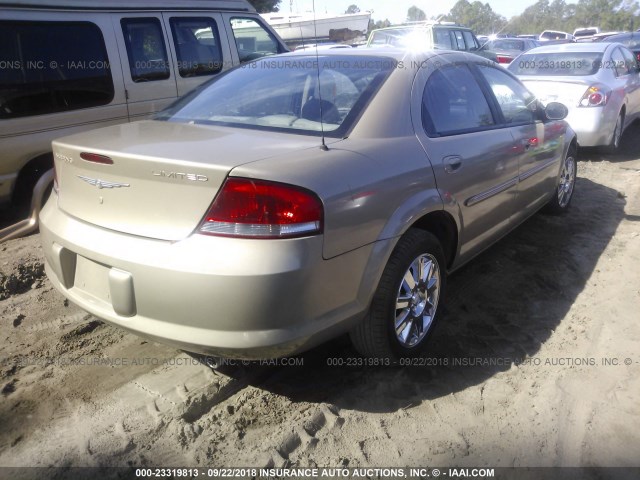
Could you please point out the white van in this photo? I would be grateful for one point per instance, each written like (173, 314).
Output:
(75, 65)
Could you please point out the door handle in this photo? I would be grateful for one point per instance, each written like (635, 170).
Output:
(452, 163)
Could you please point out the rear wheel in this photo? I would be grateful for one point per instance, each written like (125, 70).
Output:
(614, 146)
(406, 303)
(559, 203)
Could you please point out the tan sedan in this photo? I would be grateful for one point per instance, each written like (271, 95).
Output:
(301, 197)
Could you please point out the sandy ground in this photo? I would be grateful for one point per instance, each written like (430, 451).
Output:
(535, 362)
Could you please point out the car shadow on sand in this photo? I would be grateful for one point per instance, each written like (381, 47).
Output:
(499, 310)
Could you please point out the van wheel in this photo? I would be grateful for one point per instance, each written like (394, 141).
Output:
(559, 203)
(406, 303)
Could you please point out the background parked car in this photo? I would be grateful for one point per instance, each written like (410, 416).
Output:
(313, 200)
(598, 82)
(630, 40)
(428, 35)
(506, 49)
(555, 35)
(585, 34)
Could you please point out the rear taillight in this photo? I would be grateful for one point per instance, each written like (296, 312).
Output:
(503, 59)
(595, 96)
(260, 209)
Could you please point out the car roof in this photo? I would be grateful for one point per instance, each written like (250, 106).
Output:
(231, 5)
(598, 47)
(392, 53)
(621, 36)
(423, 26)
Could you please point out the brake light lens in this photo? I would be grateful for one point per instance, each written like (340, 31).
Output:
(95, 158)
(248, 208)
(503, 59)
(595, 96)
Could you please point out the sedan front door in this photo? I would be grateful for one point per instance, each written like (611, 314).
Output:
(470, 152)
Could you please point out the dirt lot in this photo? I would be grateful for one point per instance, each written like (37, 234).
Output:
(535, 362)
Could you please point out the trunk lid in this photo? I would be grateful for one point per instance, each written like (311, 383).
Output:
(164, 175)
(550, 89)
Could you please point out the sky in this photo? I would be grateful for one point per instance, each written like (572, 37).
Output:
(396, 10)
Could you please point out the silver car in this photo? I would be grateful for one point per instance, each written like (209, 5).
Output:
(598, 82)
(301, 197)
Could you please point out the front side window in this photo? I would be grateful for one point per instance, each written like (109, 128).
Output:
(252, 39)
(286, 95)
(454, 103)
(146, 50)
(518, 105)
(49, 67)
(197, 46)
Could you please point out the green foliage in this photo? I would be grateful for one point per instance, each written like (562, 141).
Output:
(265, 6)
(478, 16)
(609, 15)
(414, 14)
(353, 9)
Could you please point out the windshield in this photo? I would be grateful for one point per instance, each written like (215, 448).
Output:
(287, 94)
(571, 64)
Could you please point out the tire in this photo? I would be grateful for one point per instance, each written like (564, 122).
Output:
(560, 202)
(379, 335)
(614, 146)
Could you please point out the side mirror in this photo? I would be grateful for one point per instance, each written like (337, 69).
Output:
(556, 111)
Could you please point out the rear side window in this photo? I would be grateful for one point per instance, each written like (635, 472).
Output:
(454, 103)
(146, 50)
(49, 67)
(197, 46)
(252, 39)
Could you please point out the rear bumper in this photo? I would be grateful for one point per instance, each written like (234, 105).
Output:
(249, 299)
(594, 126)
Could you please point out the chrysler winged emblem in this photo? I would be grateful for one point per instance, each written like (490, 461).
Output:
(96, 182)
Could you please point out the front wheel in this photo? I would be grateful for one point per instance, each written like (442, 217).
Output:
(559, 203)
(406, 303)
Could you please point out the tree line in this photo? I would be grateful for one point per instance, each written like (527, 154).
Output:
(609, 15)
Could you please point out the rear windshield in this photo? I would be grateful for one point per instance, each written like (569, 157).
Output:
(297, 94)
(553, 35)
(572, 64)
(506, 45)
